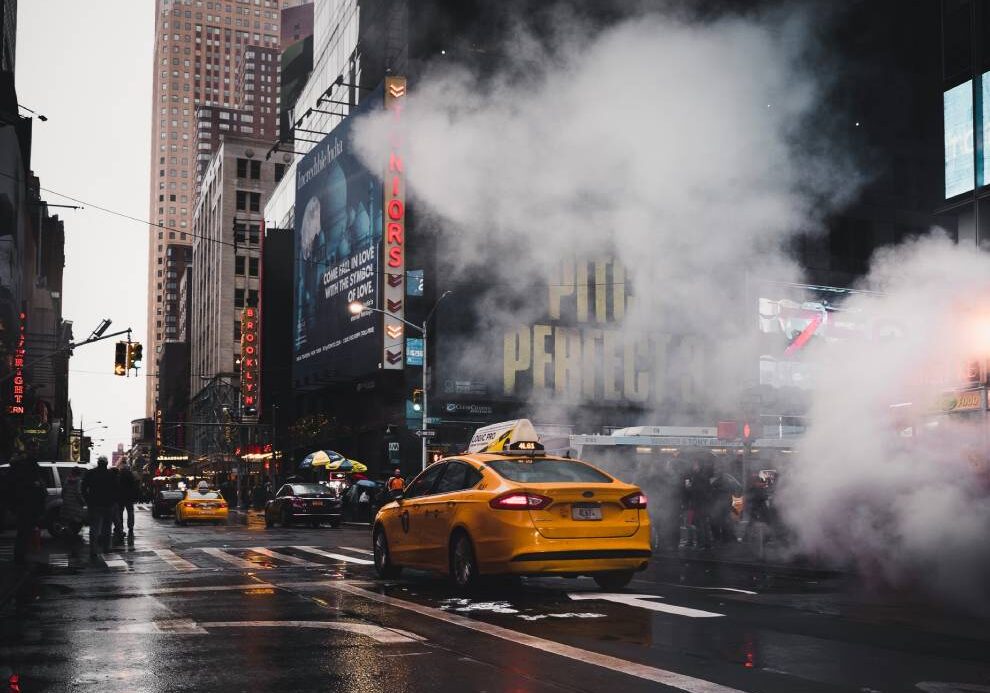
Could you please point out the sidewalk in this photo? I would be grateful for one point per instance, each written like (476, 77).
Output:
(775, 559)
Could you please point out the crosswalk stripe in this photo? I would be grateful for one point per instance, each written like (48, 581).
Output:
(285, 557)
(114, 560)
(335, 556)
(233, 560)
(366, 552)
(180, 564)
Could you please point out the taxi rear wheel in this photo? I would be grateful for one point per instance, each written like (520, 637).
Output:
(615, 580)
(463, 564)
(383, 559)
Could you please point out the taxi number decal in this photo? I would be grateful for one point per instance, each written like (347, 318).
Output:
(405, 521)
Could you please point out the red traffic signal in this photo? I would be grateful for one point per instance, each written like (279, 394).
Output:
(747, 433)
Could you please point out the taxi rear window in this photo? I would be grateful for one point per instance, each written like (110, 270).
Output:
(537, 471)
(199, 495)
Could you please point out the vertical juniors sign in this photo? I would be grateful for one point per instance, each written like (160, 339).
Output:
(394, 199)
(17, 405)
(250, 360)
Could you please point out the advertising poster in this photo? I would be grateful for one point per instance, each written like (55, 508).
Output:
(795, 319)
(338, 258)
(957, 108)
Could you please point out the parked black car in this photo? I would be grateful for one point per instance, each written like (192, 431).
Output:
(299, 502)
(164, 502)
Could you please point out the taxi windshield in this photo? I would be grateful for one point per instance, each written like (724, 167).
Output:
(202, 495)
(536, 471)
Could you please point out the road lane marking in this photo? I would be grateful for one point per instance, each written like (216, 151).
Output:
(366, 552)
(640, 601)
(183, 626)
(335, 556)
(385, 636)
(173, 559)
(681, 682)
(285, 557)
(233, 560)
(113, 560)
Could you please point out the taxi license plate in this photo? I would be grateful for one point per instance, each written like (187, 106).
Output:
(316, 504)
(586, 511)
(207, 506)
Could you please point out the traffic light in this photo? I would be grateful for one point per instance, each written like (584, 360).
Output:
(417, 399)
(134, 354)
(747, 433)
(120, 359)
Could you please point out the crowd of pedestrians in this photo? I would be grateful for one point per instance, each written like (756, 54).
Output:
(109, 494)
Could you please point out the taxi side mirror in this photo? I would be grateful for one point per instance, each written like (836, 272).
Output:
(396, 494)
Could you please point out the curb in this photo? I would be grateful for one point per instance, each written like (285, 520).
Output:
(776, 568)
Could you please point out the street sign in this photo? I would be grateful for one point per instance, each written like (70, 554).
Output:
(428, 433)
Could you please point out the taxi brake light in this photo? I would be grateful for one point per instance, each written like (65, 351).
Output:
(635, 500)
(520, 501)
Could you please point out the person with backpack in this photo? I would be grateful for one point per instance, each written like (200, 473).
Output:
(99, 488)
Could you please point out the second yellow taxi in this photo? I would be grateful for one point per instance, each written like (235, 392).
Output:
(506, 508)
(201, 504)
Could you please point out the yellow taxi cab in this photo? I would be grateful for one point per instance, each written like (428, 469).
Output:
(201, 504)
(507, 508)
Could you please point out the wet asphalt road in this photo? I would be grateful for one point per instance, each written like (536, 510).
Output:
(242, 608)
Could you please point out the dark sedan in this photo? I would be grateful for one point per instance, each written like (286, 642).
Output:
(164, 503)
(312, 503)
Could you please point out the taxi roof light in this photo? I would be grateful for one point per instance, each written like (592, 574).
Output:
(520, 500)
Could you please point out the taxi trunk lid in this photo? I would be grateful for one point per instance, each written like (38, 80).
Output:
(585, 511)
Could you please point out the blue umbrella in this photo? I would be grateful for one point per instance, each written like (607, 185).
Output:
(320, 458)
(365, 482)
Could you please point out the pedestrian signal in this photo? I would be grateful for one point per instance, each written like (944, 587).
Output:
(134, 353)
(120, 359)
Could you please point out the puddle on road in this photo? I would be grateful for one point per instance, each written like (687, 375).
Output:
(538, 617)
(466, 605)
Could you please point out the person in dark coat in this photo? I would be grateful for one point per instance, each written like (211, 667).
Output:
(28, 500)
(73, 504)
(99, 488)
(128, 491)
(118, 509)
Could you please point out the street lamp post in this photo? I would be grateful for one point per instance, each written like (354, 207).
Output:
(356, 308)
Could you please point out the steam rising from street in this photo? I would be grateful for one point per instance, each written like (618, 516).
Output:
(686, 154)
(883, 476)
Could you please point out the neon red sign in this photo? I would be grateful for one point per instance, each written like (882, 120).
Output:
(17, 404)
(394, 204)
(250, 358)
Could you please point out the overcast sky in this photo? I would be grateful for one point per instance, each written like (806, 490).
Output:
(87, 66)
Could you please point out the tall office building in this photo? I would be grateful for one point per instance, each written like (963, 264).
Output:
(207, 55)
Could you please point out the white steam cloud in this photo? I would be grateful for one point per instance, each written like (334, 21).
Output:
(884, 476)
(678, 150)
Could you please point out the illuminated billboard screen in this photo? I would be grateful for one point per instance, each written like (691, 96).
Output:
(798, 319)
(338, 228)
(957, 107)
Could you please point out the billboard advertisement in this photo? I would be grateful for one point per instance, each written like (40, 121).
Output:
(957, 109)
(571, 346)
(796, 319)
(338, 228)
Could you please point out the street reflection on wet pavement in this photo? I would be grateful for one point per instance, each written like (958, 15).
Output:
(237, 609)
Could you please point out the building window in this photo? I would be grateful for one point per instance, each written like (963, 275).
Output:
(255, 202)
(256, 170)
(242, 168)
(237, 330)
(252, 297)
(253, 267)
(279, 172)
(238, 298)
(239, 265)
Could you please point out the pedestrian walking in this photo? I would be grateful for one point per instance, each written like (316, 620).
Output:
(128, 490)
(73, 510)
(396, 482)
(28, 499)
(99, 488)
(117, 509)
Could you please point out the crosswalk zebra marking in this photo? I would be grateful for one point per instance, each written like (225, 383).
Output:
(173, 559)
(113, 560)
(285, 557)
(233, 560)
(335, 556)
